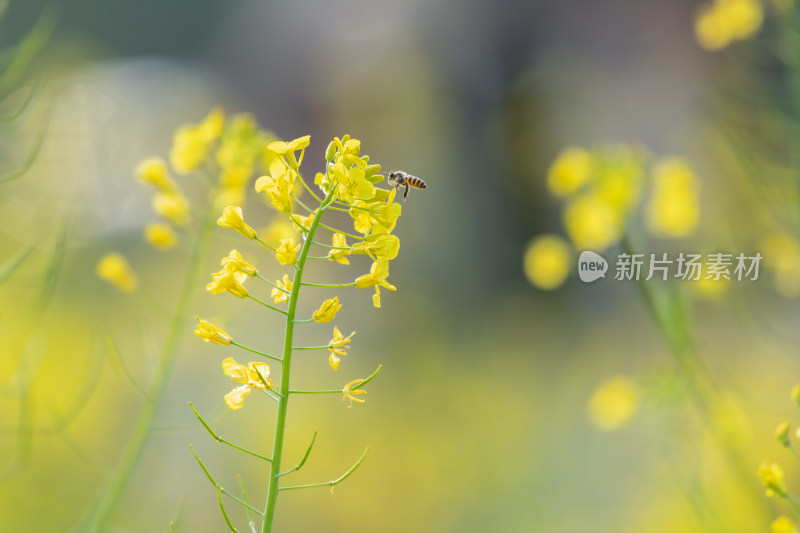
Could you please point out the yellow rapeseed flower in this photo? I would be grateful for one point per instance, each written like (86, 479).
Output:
(114, 268)
(172, 206)
(379, 246)
(303, 223)
(160, 235)
(229, 280)
(773, 478)
(153, 171)
(283, 148)
(613, 403)
(286, 253)
(232, 218)
(591, 223)
(796, 395)
(235, 262)
(211, 333)
(338, 346)
(783, 525)
(376, 278)
(569, 171)
(327, 311)
(547, 261)
(673, 208)
(191, 142)
(351, 394)
(253, 376)
(339, 241)
(277, 294)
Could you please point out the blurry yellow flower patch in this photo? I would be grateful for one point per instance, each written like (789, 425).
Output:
(613, 403)
(114, 268)
(772, 477)
(153, 171)
(783, 525)
(591, 223)
(191, 142)
(569, 171)
(782, 257)
(161, 236)
(172, 206)
(547, 261)
(673, 208)
(723, 21)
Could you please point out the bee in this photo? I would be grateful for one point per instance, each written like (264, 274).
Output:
(398, 178)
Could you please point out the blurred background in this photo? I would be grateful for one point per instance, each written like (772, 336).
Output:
(513, 397)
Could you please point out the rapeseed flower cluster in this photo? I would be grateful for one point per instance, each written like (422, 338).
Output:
(722, 22)
(603, 189)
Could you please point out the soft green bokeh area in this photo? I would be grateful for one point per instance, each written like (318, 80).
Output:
(478, 419)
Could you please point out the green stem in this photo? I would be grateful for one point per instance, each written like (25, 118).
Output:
(130, 456)
(243, 347)
(265, 304)
(283, 402)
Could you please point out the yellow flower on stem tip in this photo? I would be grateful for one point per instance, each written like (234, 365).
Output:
(350, 394)
(229, 280)
(114, 268)
(327, 311)
(277, 294)
(211, 333)
(236, 263)
(161, 236)
(339, 241)
(380, 246)
(783, 525)
(287, 252)
(172, 206)
(352, 181)
(782, 434)
(376, 278)
(232, 218)
(673, 209)
(385, 214)
(338, 346)
(546, 261)
(283, 148)
(278, 185)
(613, 403)
(153, 171)
(773, 478)
(253, 376)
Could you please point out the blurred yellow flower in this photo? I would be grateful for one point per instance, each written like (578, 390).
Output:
(782, 434)
(547, 261)
(591, 223)
(783, 525)
(191, 142)
(796, 395)
(172, 206)
(278, 229)
(211, 333)
(327, 311)
(773, 478)
(153, 171)
(338, 346)
(724, 21)
(569, 171)
(253, 376)
(782, 257)
(160, 235)
(673, 209)
(236, 263)
(228, 280)
(232, 218)
(114, 268)
(613, 403)
(279, 296)
(339, 241)
(350, 394)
